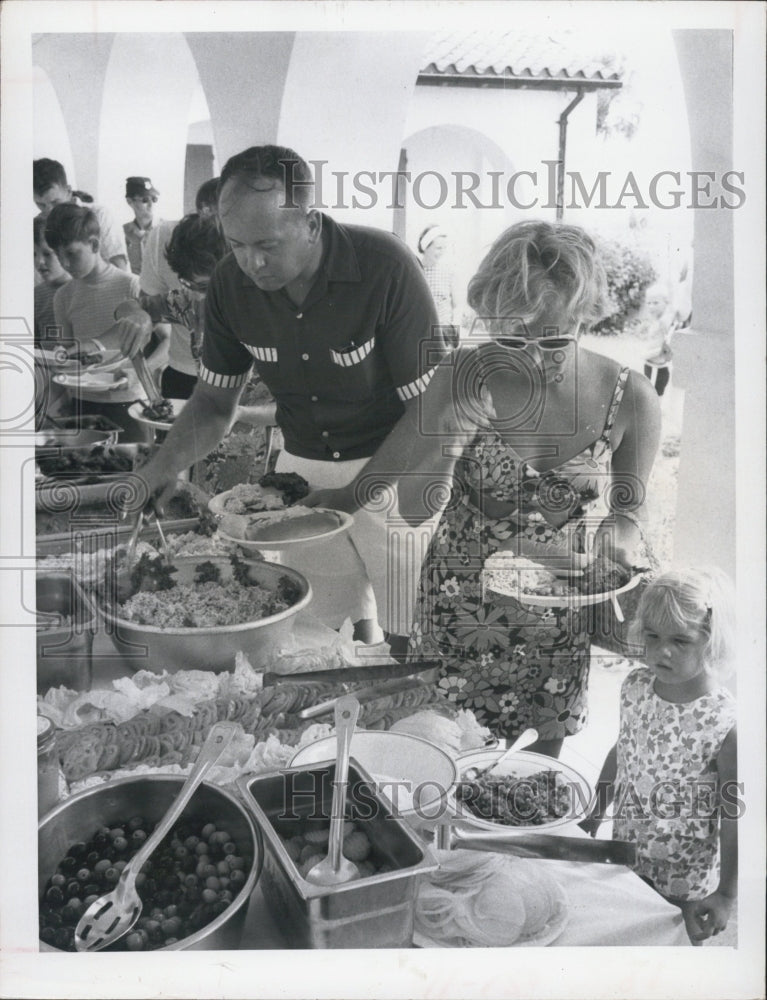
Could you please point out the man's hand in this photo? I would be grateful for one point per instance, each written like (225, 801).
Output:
(343, 499)
(156, 488)
(705, 918)
(131, 334)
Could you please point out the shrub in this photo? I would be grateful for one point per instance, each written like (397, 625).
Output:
(629, 273)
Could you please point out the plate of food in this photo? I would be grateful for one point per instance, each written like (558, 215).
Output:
(477, 900)
(64, 360)
(273, 491)
(159, 416)
(279, 529)
(528, 792)
(102, 381)
(507, 577)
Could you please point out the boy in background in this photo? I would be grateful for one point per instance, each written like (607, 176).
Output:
(657, 328)
(50, 188)
(51, 399)
(53, 276)
(84, 310)
(141, 196)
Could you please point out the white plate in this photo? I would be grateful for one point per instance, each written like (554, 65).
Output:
(136, 410)
(345, 521)
(427, 771)
(547, 934)
(112, 361)
(91, 381)
(560, 600)
(523, 764)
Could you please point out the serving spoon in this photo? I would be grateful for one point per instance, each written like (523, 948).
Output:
(335, 869)
(525, 738)
(111, 916)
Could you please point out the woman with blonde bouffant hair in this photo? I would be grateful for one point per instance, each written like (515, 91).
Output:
(535, 446)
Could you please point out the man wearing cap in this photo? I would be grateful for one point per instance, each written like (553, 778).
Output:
(50, 187)
(338, 321)
(141, 196)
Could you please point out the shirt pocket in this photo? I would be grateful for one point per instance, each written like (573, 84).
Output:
(352, 355)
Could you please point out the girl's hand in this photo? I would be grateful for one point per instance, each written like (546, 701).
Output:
(704, 918)
(591, 824)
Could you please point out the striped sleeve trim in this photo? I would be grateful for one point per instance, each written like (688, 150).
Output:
(346, 359)
(262, 353)
(413, 389)
(223, 381)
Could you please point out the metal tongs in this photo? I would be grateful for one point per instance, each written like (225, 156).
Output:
(134, 536)
(145, 378)
(451, 836)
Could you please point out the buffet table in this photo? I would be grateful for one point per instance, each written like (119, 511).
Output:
(608, 904)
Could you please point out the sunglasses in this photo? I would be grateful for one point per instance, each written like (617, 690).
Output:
(195, 286)
(545, 343)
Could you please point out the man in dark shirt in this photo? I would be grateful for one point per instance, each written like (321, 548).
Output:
(338, 322)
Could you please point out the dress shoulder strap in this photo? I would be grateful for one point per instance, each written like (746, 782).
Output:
(615, 402)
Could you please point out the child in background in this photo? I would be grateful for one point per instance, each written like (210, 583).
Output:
(195, 246)
(84, 310)
(432, 244)
(50, 188)
(53, 276)
(657, 329)
(51, 399)
(672, 772)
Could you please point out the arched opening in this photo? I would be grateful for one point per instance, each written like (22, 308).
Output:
(451, 198)
(201, 163)
(50, 137)
(146, 134)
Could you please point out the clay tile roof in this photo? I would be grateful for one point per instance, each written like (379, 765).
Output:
(513, 55)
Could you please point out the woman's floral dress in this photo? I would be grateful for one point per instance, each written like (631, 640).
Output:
(514, 666)
(666, 784)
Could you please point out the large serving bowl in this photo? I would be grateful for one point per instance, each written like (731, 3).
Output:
(77, 818)
(159, 648)
(523, 765)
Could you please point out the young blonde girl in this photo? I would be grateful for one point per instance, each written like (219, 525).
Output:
(672, 773)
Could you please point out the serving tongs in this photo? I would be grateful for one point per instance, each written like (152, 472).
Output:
(123, 589)
(450, 835)
(112, 915)
(145, 378)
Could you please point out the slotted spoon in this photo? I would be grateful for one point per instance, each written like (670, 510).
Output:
(335, 868)
(111, 916)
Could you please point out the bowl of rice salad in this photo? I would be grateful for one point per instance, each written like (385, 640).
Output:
(215, 607)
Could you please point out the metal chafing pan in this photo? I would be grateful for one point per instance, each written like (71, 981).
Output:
(66, 624)
(373, 912)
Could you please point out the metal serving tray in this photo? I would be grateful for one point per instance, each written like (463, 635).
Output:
(374, 912)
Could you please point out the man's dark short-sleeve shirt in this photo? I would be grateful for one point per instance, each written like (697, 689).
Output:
(340, 366)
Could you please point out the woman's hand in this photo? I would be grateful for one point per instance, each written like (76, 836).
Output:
(705, 918)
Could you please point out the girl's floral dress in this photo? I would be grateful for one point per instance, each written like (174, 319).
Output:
(514, 666)
(666, 785)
